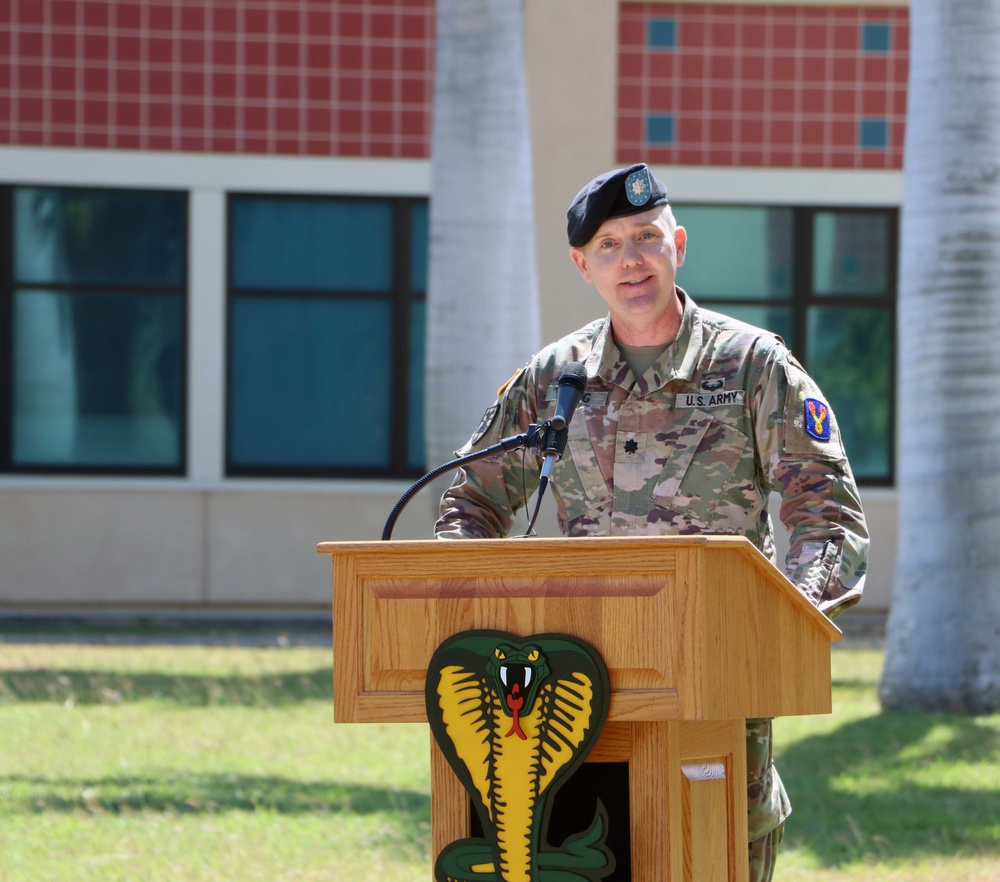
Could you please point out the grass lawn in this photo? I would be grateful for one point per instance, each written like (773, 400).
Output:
(210, 763)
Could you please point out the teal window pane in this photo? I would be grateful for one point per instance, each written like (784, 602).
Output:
(311, 244)
(851, 253)
(100, 237)
(309, 383)
(660, 128)
(876, 38)
(415, 455)
(873, 133)
(850, 356)
(742, 252)
(419, 244)
(98, 379)
(662, 33)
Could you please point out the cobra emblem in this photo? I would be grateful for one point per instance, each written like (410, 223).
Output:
(515, 718)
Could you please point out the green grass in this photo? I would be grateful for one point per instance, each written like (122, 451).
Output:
(888, 796)
(210, 763)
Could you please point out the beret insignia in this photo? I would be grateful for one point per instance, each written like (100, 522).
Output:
(638, 187)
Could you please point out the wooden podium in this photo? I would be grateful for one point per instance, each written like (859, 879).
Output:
(697, 633)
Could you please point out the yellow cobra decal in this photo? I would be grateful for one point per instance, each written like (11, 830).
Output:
(514, 721)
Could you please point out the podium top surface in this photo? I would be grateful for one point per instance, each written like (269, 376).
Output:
(690, 628)
(540, 556)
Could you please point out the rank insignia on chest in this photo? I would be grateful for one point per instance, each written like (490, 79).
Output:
(817, 416)
(630, 447)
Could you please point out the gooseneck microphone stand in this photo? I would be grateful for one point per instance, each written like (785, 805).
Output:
(536, 437)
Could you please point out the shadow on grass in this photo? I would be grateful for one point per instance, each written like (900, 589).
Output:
(213, 794)
(861, 791)
(109, 687)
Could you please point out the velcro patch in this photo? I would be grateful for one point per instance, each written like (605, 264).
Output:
(721, 398)
(486, 422)
(589, 399)
(630, 447)
(817, 419)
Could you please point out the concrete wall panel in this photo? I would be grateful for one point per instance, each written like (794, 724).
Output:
(91, 547)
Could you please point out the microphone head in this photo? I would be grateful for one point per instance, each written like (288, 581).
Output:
(575, 374)
(569, 392)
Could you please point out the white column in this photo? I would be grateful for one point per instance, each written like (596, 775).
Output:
(206, 335)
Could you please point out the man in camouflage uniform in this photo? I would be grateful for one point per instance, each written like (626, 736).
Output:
(689, 420)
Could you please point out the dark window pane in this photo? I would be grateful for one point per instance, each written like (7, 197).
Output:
(309, 383)
(850, 356)
(312, 244)
(97, 379)
(741, 252)
(851, 252)
(418, 247)
(415, 455)
(98, 237)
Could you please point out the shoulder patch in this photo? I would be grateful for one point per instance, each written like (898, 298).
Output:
(810, 427)
(817, 419)
(486, 422)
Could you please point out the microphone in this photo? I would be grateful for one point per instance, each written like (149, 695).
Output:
(568, 394)
(551, 436)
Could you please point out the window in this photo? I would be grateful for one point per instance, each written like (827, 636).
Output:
(876, 38)
(662, 33)
(825, 280)
(660, 128)
(92, 343)
(873, 133)
(326, 331)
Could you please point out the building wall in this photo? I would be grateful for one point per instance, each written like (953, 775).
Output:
(296, 97)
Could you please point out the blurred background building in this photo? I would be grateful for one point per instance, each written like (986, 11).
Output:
(213, 258)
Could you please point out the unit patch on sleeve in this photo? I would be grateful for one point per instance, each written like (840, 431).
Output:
(817, 419)
(486, 422)
(809, 427)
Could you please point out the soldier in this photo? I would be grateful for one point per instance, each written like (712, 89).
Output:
(690, 419)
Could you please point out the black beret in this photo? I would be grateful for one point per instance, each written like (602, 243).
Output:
(617, 193)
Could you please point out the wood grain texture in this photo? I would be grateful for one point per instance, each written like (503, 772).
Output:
(697, 634)
(697, 627)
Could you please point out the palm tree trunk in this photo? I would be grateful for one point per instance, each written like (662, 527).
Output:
(483, 319)
(943, 639)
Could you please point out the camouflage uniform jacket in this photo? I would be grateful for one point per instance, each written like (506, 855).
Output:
(695, 445)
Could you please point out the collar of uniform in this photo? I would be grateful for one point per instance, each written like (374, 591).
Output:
(605, 359)
(685, 351)
(676, 363)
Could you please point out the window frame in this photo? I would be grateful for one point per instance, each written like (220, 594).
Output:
(401, 297)
(804, 297)
(8, 289)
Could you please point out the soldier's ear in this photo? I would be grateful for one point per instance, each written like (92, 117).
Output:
(680, 244)
(580, 260)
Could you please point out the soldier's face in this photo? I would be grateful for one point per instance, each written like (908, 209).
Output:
(632, 262)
